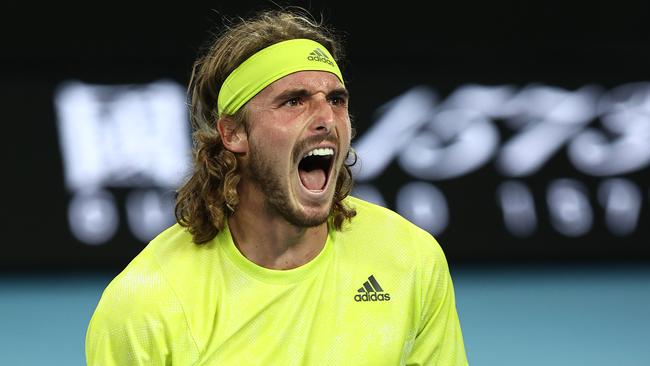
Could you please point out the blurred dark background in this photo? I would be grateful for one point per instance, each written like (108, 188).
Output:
(542, 53)
(518, 133)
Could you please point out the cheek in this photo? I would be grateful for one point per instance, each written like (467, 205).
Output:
(269, 136)
(272, 145)
(345, 132)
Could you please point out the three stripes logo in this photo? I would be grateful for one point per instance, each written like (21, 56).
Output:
(371, 291)
(318, 55)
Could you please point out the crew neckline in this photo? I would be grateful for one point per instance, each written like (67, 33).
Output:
(276, 276)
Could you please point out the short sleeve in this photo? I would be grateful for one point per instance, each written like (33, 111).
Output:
(139, 321)
(439, 340)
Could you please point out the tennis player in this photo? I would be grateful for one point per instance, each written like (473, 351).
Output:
(271, 262)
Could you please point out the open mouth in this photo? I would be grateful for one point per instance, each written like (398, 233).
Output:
(314, 168)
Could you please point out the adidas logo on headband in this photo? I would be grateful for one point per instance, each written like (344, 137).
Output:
(318, 55)
(270, 64)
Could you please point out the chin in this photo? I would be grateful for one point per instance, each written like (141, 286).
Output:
(309, 217)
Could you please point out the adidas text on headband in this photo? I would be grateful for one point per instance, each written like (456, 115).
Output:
(270, 64)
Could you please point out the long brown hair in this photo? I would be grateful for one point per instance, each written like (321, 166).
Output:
(209, 196)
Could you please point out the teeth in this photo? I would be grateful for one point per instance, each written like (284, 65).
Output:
(320, 152)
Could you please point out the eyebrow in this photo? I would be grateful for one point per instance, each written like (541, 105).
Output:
(301, 93)
(339, 92)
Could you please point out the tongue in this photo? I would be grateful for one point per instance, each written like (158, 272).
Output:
(314, 180)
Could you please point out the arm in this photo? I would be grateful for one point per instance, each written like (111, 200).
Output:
(131, 340)
(139, 321)
(439, 340)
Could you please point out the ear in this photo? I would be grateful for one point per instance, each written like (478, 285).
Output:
(233, 135)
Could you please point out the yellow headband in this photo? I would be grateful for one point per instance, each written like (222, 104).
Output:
(270, 64)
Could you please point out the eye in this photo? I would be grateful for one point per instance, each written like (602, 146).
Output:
(292, 102)
(339, 100)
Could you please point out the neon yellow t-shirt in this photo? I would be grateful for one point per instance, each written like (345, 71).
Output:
(379, 293)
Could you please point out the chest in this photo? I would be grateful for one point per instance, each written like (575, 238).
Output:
(338, 318)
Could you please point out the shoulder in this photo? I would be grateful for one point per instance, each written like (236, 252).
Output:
(384, 227)
(142, 289)
(372, 218)
(139, 309)
(370, 215)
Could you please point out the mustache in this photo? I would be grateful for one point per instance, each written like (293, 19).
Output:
(303, 145)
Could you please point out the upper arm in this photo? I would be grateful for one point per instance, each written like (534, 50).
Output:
(138, 321)
(439, 339)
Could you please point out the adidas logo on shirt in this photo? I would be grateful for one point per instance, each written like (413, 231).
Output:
(318, 55)
(371, 291)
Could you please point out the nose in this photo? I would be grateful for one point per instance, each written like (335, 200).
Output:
(323, 116)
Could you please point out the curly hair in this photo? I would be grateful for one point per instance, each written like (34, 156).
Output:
(209, 196)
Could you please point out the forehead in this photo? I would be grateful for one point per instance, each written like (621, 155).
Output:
(312, 81)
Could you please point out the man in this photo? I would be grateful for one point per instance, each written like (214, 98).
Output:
(271, 263)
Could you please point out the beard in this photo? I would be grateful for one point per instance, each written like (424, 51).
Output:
(277, 194)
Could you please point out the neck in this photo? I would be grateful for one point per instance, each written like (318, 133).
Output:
(268, 240)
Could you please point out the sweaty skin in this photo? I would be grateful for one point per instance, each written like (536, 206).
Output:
(279, 223)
